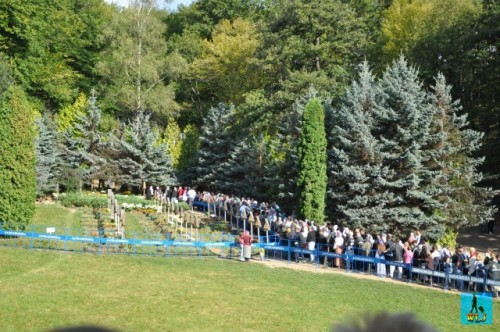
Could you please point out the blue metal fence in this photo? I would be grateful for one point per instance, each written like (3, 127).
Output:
(442, 275)
(225, 246)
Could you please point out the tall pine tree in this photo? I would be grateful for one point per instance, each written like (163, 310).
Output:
(216, 143)
(465, 203)
(47, 157)
(284, 171)
(17, 168)
(312, 178)
(244, 172)
(83, 145)
(355, 158)
(403, 126)
(402, 158)
(143, 158)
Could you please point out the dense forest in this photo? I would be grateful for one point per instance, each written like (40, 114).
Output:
(220, 95)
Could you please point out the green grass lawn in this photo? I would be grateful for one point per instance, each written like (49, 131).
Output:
(55, 215)
(40, 290)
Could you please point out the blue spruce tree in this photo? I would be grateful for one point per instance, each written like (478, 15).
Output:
(142, 158)
(465, 202)
(216, 143)
(245, 170)
(47, 157)
(403, 121)
(355, 159)
(83, 146)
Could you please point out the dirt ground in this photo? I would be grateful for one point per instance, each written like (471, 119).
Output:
(475, 237)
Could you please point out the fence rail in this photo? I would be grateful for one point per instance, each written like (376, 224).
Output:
(225, 246)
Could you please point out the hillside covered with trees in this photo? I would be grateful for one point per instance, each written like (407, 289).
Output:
(369, 112)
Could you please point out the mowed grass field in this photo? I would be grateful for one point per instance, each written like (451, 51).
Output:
(42, 290)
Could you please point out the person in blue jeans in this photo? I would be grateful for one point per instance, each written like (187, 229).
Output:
(458, 262)
(447, 268)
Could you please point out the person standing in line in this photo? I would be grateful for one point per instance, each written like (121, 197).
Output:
(167, 194)
(191, 194)
(493, 270)
(380, 255)
(408, 258)
(180, 192)
(491, 224)
(389, 254)
(339, 247)
(150, 193)
(418, 237)
(247, 246)
(311, 241)
(397, 257)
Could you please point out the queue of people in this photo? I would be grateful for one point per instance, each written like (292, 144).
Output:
(404, 253)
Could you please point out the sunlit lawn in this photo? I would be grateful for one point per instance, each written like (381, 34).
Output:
(40, 290)
(43, 290)
(55, 215)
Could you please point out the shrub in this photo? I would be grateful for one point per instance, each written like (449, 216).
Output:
(78, 200)
(184, 206)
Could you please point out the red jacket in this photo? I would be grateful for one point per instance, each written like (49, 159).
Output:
(247, 240)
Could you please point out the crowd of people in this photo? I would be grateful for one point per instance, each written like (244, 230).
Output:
(404, 253)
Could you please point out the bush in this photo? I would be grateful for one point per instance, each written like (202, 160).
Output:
(78, 200)
(183, 206)
(449, 239)
(133, 200)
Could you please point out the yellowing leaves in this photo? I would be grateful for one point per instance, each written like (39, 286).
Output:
(68, 114)
(227, 64)
(408, 21)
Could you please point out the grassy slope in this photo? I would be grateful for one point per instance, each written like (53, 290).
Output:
(55, 215)
(42, 290)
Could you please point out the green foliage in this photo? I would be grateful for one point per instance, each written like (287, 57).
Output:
(97, 200)
(355, 159)
(70, 178)
(407, 22)
(215, 146)
(245, 170)
(79, 200)
(141, 157)
(6, 74)
(83, 143)
(17, 167)
(183, 206)
(137, 74)
(70, 113)
(466, 203)
(449, 239)
(190, 145)
(459, 39)
(47, 157)
(227, 69)
(201, 16)
(312, 177)
(53, 44)
(172, 139)
(397, 153)
(312, 42)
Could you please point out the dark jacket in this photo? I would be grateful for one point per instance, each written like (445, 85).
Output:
(493, 270)
(397, 250)
(311, 236)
